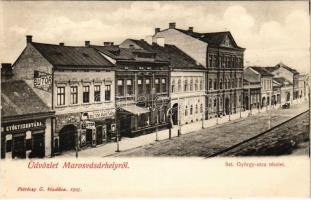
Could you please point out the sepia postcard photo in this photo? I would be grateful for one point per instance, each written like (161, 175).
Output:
(128, 99)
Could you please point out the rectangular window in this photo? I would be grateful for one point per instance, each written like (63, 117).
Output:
(86, 94)
(60, 96)
(120, 88)
(140, 86)
(129, 85)
(73, 94)
(97, 93)
(157, 85)
(163, 81)
(107, 92)
(148, 86)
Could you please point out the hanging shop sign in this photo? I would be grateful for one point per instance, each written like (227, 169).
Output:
(13, 127)
(88, 125)
(42, 81)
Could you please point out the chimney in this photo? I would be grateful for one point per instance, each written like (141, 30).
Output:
(172, 25)
(61, 44)
(108, 43)
(87, 43)
(156, 30)
(28, 38)
(190, 29)
(6, 70)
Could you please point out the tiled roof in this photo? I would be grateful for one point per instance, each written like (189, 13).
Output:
(271, 69)
(213, 38)
(252, 77)
(288, 68)
(177, 58)
(17, 98)
(283, 81)
(130, 54)
(262, 71)
(71, 56)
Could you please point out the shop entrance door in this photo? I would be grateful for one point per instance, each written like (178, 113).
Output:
(99, 134)
(67, 137)
(37, 145)
(19, 148)
(88, 137)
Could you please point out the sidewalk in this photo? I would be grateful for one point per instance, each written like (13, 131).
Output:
(130, 143)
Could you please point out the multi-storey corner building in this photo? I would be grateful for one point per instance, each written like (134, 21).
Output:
(266, 80)
(75, 82)
(142, 87)
(222, 59)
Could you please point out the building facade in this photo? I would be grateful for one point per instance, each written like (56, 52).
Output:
(78, 84)
(252, 90)
(187, 86)
(283, 71)
(222, 59)
(266, 81)
(142, 87)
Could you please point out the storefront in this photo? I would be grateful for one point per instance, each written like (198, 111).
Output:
(23, 139)
(83, 129)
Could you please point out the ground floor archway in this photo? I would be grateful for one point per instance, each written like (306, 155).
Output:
(67, 137)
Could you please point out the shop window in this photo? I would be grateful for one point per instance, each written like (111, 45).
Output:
(163, 82)
(86, 94)
(157, 85)
(8, 146)
(129, 85)
(148, 85)
(97, 93)
(107, 92)
(140, 86)
(120, 86)
(73, 94)
(60, 96)
(28, 144)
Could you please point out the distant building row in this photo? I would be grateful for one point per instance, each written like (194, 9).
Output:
(56, 97)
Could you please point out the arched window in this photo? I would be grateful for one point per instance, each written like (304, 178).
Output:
(215, 102)
(210, 84)
(220, 84)
(196, 109)
(179, 85)
(191, 110)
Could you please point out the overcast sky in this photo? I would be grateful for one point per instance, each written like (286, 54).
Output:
(270, 31)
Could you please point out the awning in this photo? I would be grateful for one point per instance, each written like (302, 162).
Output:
(135, 109)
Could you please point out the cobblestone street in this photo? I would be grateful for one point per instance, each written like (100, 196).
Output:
(207, 141)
